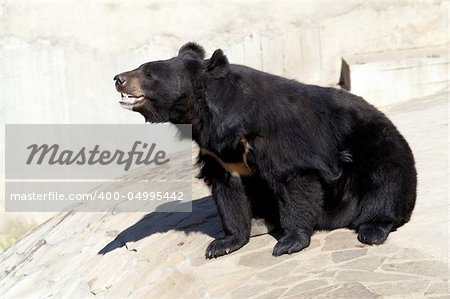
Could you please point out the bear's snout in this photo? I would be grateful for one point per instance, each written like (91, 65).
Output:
(130, 89)
(129, 83)
(120, 79)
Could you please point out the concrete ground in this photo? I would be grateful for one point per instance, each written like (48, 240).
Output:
(162, 255)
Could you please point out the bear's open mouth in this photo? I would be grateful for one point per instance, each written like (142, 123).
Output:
(128, 100)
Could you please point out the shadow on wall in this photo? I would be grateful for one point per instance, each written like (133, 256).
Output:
(203, 219)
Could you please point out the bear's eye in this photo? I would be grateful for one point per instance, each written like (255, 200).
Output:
(148, 75)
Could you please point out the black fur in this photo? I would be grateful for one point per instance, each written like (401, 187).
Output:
(193, 50)
(321, 158)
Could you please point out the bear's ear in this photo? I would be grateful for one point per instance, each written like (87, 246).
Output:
(192, 50)
(217, 65)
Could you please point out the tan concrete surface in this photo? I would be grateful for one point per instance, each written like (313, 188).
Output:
(392, 77)
(162, 255)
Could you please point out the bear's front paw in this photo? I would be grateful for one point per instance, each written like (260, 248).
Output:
(224, 246)
(291, 242)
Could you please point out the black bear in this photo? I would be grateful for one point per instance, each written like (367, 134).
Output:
(301, 157)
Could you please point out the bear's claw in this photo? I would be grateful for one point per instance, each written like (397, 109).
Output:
(223, 246)
(291, 243)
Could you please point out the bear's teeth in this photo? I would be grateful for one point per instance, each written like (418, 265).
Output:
(128, 100)
(130, 97)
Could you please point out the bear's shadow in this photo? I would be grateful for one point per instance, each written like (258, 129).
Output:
(203, 219)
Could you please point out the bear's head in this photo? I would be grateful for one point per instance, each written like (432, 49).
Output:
(161, 90)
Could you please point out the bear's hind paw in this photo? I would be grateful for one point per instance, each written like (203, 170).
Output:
(374, 234)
